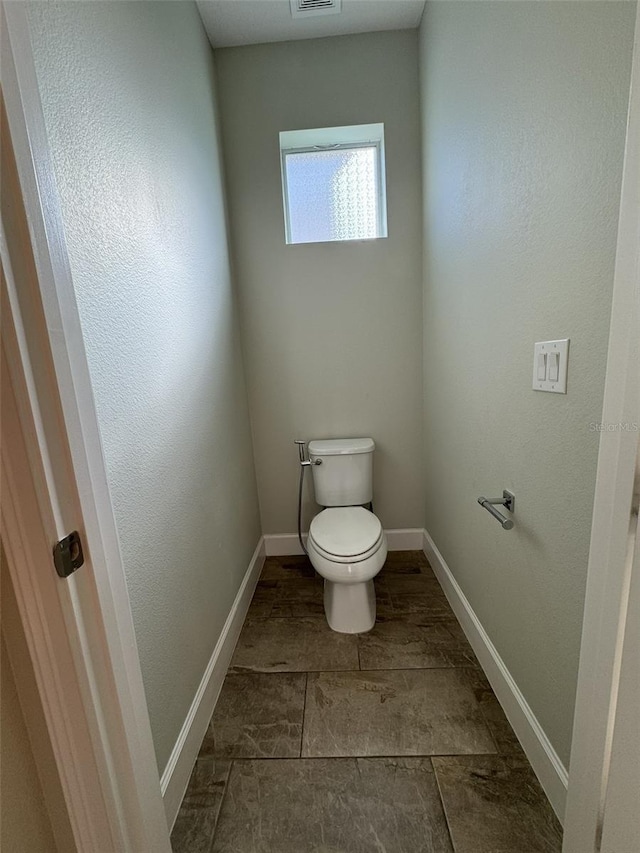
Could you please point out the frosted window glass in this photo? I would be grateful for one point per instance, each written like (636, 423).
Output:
(333, 195)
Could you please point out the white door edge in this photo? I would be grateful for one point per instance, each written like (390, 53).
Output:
(608, 576)
(66, 460)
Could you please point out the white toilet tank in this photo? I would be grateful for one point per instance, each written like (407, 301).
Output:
(345, 477)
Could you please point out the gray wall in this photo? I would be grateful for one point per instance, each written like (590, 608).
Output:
(129, 102)
(523, 120)
(332, 332)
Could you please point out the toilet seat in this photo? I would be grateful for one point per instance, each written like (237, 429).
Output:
(348, 534)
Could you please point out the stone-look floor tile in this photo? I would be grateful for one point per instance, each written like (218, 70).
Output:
(495, 803)
(332, 806)
(259, 716)
(208, 745)
(384, 608)
(301, 587)
(407, 583)
(411, 642)
(406, 562)
(299, 597)
(430, 604)
(263, 599)
(196, 822)
(407, 712)
(503, 735)
(293, 645)
(285, 568)
(298, 608)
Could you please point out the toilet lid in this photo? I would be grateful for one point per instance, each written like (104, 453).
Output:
(345, 531)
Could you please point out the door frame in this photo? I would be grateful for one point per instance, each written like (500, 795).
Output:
(614, 516)
(79, 630)
(106, 760)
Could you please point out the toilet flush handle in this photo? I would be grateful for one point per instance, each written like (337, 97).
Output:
(302, 453)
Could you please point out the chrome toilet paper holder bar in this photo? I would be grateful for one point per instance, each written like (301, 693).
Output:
(508, 501)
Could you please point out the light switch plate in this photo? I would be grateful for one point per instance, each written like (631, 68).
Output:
(543, 349)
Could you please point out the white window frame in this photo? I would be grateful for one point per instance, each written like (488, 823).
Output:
(336, 139)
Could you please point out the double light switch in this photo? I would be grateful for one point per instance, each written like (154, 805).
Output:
(550, 360)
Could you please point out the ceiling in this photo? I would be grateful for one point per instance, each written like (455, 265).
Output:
(235, 22)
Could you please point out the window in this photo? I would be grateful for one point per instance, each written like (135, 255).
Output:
(333, 184)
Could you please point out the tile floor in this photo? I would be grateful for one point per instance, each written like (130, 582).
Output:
(389, 742)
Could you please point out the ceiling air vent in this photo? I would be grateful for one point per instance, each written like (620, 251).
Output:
(308, 8)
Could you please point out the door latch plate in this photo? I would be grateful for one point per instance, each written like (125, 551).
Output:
(67, 554)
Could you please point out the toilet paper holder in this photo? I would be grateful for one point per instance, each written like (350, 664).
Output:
(508, 501)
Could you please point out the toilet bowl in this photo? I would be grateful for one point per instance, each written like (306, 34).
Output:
(348, 547)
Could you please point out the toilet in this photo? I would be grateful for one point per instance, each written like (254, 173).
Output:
(347, 545)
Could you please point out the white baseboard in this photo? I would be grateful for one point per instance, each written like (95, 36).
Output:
(286, 544)
(405, 539)
(183, 757)
(544, 759)
(283, 544)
